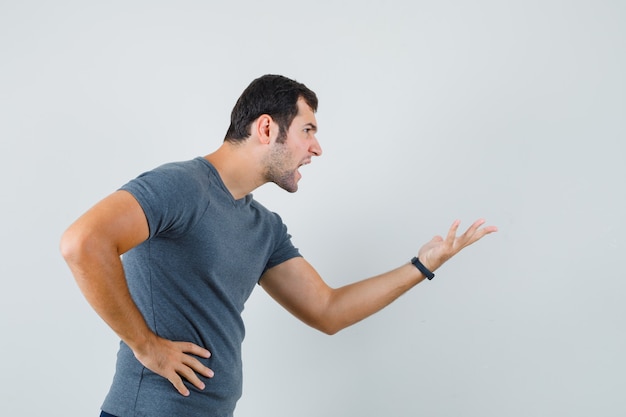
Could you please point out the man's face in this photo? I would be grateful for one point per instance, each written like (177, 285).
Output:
(285, 158)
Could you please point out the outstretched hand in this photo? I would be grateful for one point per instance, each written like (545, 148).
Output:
(174, 361)
(434, 253)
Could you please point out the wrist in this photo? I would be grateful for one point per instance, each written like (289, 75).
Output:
(422, 268)
(142, 342)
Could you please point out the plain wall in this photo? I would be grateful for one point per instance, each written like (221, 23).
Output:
(429, 112)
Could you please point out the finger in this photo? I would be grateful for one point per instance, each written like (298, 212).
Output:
(198, 366)
(477, 223)
(188, 347)
(452, 231)
(486, 230)
(479, 234)
(189, 375)
(437, 239)
(473, 228)
(177, 382)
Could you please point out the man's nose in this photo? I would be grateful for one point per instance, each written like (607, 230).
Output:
(316, 149)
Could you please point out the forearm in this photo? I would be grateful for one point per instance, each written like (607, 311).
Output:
(298, 287)
(354, 302)
(101, 279)
(99, 273)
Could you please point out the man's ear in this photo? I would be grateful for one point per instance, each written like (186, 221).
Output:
(264, 127)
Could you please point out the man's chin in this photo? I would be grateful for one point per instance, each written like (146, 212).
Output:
(289, 183)
(290, 187)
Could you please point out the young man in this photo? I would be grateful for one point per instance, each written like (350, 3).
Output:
(195, 245)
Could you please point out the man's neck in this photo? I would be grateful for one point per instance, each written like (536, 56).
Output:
(238, 167)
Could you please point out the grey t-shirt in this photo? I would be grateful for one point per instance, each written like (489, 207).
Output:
(190, 279)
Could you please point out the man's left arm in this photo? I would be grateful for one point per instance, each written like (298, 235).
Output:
(297, 286)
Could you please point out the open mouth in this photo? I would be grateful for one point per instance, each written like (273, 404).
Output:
(306, 162)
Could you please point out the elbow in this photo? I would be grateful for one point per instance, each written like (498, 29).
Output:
(329, 319)
(330, 331)
(69, 245)
(327, 330)
(329, 327)
(76, 245)
(73, 250)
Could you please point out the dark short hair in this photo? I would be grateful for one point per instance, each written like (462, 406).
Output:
(274, 95)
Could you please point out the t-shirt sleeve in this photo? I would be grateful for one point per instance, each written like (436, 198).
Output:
(285, 249)
(163, 194)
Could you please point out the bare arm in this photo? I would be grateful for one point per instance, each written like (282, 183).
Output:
(92, 247)
(298, 287)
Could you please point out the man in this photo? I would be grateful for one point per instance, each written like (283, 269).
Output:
(196, 244)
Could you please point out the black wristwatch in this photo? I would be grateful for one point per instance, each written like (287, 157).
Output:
(415, 261)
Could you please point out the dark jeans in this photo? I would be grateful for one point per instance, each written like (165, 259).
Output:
(103, 414)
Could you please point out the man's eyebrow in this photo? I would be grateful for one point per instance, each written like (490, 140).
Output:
(312, 126)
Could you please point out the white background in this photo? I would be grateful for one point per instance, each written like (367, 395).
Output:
(429, 111)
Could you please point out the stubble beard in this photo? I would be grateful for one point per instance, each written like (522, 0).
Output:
(277, 169)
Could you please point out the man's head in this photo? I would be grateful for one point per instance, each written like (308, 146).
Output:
(282, 160)
(274, 95)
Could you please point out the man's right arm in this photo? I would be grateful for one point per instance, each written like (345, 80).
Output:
(92, 247)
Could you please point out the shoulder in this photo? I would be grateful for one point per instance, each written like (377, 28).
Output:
(176, 177)
(193, 168)
(172, 196)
